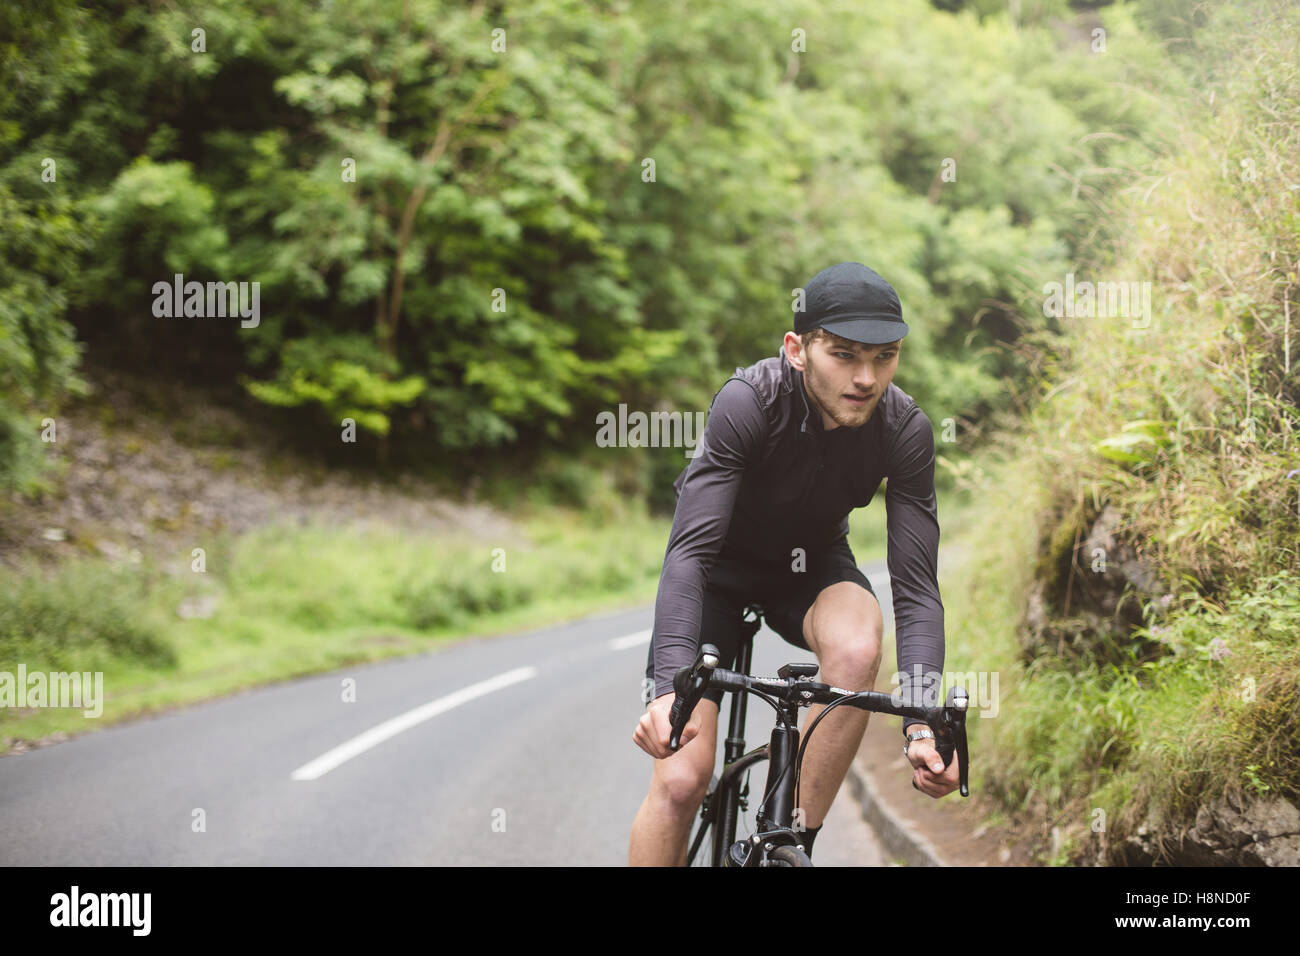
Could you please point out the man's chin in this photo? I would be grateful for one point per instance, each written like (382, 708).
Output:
(856, 421)
(865, 416)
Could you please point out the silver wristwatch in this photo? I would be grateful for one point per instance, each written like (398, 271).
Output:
(917, 735)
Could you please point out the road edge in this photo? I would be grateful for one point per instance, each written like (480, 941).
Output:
(898, 839)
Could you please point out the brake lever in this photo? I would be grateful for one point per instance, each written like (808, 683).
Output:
(950, 736)
(689, 684)
(955, 708)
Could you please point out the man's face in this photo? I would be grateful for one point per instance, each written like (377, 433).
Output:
(836, 371)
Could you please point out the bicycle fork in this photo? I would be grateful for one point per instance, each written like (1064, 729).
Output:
(776, 813)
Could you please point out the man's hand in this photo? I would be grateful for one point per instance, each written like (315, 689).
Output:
(655, 727)
(928, 772)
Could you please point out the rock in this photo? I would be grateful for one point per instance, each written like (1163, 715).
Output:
(203, 606)
(1229, 831)
(1123, 567)
(1036, 612)
(1087, 600)
(1249, 831)
(109, 550)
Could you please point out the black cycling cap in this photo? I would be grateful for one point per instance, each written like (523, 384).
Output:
(854, 302)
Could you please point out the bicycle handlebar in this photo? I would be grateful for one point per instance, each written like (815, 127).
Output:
(948, 722)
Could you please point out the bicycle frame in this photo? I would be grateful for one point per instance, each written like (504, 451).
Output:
(781, 751)
(734, 762)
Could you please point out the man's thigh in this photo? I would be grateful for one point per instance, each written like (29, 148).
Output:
(835, 606)
(730, 589)
(845, 619)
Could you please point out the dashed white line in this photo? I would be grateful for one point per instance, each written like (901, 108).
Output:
(629, 640)
(418, 715)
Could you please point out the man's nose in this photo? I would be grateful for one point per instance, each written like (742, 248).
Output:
(865, 380)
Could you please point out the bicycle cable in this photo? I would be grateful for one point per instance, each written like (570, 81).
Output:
(803, 744)
(786, 769)
(762, 806)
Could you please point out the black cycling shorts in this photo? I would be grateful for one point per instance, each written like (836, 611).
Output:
(784, 597)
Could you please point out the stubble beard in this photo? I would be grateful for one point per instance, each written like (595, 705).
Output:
(832, 402)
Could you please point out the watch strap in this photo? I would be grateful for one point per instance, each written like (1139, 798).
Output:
(924, 734)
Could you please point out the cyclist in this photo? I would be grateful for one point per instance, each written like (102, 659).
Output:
(792, 444)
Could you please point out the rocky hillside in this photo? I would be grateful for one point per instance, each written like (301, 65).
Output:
(148, 468)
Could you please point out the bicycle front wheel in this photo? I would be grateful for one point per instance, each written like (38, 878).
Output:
(721, 818)
(699, 848)
(791, 856)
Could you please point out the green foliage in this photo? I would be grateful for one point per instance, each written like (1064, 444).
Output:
(336, 374)
(153, 221)
(459, 592)
(42, 234)
(1187, 428)
(1136, 442)
(40, 238)
(79, 618)
(500, 267)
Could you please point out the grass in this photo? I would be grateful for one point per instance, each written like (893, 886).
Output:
(1188, 429)
(868, 534)
(296, 601)
(292, 601)
(1146, 742)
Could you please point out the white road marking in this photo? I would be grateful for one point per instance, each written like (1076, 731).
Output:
(629, 640)
(391, 728)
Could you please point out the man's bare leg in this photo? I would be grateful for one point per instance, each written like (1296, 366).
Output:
(663, 824)
(843, 628)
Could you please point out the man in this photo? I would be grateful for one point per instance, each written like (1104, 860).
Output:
(791, 446)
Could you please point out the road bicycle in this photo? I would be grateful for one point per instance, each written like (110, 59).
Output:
(776, 840)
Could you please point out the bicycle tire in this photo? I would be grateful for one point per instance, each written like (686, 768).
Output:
(703, 855)
(791, 856)
(714, 827)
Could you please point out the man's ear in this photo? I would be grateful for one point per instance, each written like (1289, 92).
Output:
(794, 350)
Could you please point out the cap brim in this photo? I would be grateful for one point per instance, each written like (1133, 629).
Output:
(868, 331)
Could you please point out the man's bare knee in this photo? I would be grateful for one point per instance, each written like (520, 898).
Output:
(846, 626)
(681, 782)
(683, 778)
(857, 654)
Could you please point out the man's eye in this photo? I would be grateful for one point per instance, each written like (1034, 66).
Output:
(886, 357)
(847, 355)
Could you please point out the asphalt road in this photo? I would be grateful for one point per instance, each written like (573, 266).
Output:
(502, 751)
